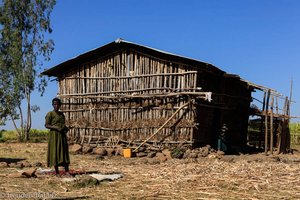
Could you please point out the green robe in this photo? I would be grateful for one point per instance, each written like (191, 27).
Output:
(58, 150)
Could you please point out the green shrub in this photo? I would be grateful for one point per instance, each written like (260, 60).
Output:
(38, 135)
(295, 128)
(177, 153)
(295, 133)
(9, 136)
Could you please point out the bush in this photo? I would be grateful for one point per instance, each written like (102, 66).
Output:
(8, 136)
(295, 133)
(295, 128)
(177, 153)
(38, 135)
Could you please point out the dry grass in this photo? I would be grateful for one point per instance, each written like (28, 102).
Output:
(231, 177)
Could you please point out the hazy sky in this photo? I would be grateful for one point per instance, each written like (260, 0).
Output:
(256, 39)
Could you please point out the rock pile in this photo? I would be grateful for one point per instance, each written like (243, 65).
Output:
(149, 156)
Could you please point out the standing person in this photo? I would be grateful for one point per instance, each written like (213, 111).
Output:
(58, 150)
(222, 144)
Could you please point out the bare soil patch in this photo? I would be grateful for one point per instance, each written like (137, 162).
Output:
(228, 177)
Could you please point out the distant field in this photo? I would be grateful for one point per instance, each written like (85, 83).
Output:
(35, 135)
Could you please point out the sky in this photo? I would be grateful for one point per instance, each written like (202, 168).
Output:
(257, 39)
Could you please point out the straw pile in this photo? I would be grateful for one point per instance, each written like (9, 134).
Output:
(228, 177)
(211, 178)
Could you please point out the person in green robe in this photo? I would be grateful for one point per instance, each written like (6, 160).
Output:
(58, 150)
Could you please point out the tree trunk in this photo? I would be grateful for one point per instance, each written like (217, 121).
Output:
(28, 125)
(16, 128)
(22, 126)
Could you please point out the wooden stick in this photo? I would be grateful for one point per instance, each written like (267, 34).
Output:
(129, 91)
(137, 76)
(204, 95)
(184, 105)
(262, 122)
(271, 125)
(266, 122)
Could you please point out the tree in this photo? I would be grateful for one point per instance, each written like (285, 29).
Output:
(23, 49)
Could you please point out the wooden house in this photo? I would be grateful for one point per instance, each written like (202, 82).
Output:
(128, 93)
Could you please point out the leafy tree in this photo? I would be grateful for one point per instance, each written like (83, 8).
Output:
(23, 48)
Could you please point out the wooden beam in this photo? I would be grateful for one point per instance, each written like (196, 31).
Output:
(266, 122)
(271, 125)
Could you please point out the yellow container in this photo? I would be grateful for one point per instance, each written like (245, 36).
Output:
(127, 153)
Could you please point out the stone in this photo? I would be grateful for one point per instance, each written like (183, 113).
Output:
(220, 153)
(110, 152)
(161, 157)
(76, 148)
(141, 154)
(37, 164)
(16, 165)
(87, 149)
(151, 155)
(3, 164)
(188, 151)
(12, 164)
(193, 155)
(19, 165)
(119, 151)
(203, 152)
(186, 154)
(27, 164)
(100, 151)
(30, 173)
(167, 153)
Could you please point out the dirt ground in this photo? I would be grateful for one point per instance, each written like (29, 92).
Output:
(230, 177)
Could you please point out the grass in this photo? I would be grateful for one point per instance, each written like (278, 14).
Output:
(35, 135)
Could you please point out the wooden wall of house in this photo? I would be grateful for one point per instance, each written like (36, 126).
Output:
(122, 97)
(239, 99)
(230, 106)
(208, 114)
(101, 104)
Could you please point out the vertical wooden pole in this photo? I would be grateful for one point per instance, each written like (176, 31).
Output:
(288, 134)
(282, 136)
(276, 105)
(271, 125)
(262, 122)
(266, 122)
